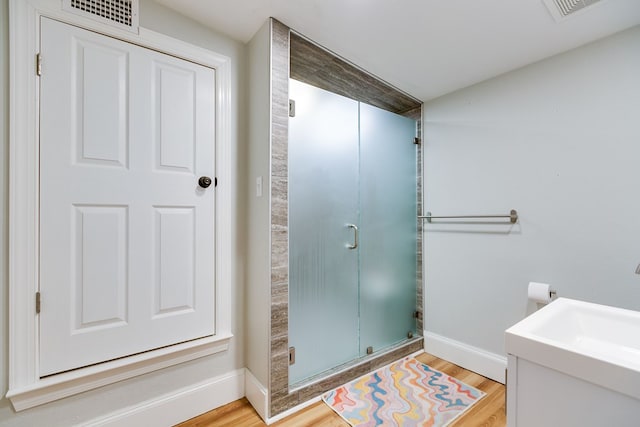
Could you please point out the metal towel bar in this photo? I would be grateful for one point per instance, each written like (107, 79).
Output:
(513, 216)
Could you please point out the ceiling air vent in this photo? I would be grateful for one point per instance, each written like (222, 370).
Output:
(119, 13)
(562, 8)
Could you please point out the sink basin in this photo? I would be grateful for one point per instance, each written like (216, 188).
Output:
(592, 342)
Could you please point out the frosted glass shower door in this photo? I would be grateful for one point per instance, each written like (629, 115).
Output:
(388, 228)
(323, 201)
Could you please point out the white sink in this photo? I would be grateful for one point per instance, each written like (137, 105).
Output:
(592, 342)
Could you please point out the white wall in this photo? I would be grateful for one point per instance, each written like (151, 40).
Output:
(559, 141)
(4, 203)
(259, 217)
(105, 400)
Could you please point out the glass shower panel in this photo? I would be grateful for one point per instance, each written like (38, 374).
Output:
(323, 201)
(388, 174)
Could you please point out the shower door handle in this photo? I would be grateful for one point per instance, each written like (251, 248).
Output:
(355, 236)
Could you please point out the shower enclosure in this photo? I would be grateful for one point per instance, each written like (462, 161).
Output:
(352, 230)
(334, 245)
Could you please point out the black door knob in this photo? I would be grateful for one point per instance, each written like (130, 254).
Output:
(204, 181)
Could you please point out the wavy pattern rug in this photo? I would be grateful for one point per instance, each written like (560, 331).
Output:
(405, 393)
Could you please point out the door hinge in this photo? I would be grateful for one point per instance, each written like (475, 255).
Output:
(38, 64)
(292, 108)
(416, 140)
(37, 302)
(417, 315)
(292, 355)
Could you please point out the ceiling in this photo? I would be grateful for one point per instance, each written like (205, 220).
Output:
(425, 47)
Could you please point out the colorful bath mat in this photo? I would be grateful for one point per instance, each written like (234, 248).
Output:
(405, 393)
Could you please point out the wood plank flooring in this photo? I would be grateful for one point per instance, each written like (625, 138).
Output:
(488, 412)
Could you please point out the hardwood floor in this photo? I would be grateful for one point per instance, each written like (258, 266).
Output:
(488, 412)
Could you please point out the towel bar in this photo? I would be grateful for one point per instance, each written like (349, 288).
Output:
(513, 216)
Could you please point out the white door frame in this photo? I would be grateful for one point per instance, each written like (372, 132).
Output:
(26, 388)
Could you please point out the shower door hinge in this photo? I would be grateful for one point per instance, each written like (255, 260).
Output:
(37, 302)
(417, 315)
(416, 140)
(292, 108)
(38, 64)
(292, 355)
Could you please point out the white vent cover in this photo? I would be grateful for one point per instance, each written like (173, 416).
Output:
(562, 8)
(119, 13)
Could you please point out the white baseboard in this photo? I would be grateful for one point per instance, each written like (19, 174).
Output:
(178, 406)
(256, 394)
(475, 359)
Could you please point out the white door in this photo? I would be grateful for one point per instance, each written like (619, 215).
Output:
(126, 231)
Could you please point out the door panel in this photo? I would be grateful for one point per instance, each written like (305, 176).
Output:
(99, 254)
(174, 116)
(174, 262)
(323, 271)
(388, 197)
(99, 111)
(126, 234)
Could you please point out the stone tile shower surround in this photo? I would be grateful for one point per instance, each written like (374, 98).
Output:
(312, 64)
(280, 399)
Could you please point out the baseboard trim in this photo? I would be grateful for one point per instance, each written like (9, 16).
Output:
(475, 359)
(180, 405)
(256, 394)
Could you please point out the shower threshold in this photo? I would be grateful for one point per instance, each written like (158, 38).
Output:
(334, 377)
